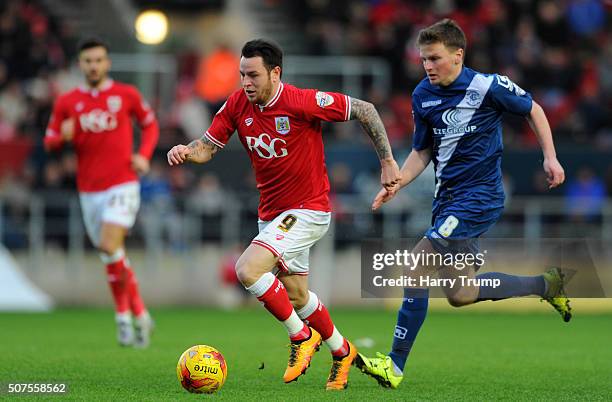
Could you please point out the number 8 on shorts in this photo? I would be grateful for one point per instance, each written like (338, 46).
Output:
(447, 227)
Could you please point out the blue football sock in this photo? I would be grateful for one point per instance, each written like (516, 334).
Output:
(409, 320)
(511, 286)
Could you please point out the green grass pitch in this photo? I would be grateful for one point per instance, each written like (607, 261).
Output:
(459, 355)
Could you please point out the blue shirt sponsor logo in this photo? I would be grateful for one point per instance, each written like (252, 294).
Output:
(431, 103)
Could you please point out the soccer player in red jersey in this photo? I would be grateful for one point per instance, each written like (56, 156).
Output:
(97, 119)
(279, 125)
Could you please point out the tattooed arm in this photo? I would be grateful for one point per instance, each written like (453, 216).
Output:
(197, 151)
(370, 120)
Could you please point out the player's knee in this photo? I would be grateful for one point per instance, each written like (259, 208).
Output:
(246, 272)
(241, 271)
(460, 300)
(108, 247)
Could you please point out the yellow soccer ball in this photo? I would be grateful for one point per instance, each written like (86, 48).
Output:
(201, 369)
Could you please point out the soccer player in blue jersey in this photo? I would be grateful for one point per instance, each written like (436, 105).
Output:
(457, 116)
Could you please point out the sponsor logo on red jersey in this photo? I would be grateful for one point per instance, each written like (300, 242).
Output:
(267, 147)
(97, 121)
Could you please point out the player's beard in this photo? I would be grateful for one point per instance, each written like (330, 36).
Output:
(94, 80)
(266, 92)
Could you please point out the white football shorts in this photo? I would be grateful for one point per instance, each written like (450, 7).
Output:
(118, 204)
(290, 236)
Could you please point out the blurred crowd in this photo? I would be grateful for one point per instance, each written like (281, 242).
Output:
(560, 51)
(34, 48)
(34, 51)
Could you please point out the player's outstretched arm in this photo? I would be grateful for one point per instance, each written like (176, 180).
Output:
(539, 124)
(197, 151)
(370, 120)
(414, 165)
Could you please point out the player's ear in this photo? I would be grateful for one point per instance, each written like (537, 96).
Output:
(459, 56)
(275, 74)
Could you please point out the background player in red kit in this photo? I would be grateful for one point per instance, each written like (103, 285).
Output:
(97, 119)
(280, 127)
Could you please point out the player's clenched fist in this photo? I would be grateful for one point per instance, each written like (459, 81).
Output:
(390, 176)
(67, 130)
(140, 164)
(555, 174)
(178, 154)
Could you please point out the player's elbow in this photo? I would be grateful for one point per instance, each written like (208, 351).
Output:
(369, 108)
(424, 156)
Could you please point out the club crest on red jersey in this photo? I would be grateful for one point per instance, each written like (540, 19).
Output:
(113, 103)
(282, 125)
(248, 121)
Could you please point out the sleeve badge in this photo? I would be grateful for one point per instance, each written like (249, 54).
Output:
(324, 99)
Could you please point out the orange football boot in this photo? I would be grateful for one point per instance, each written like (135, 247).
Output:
(300, 355)
(338, 377)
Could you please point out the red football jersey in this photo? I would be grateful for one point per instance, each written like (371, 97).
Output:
(103, 136)
(283, 139)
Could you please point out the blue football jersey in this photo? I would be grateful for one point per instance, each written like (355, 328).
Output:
(462, 125)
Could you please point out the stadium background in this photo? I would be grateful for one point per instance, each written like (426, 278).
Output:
(195, 219)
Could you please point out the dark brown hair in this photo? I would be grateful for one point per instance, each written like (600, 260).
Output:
(269, 51)
(446, 32)
(89, 42)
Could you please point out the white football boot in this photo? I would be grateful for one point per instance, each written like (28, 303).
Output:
(144, 327)
(125, 331)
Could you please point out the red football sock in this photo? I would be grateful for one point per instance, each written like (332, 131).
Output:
(342, 350)
(136, 303)
(117, 280)
(321, 321)
(273, 295)
(302, 335)
(276, 301)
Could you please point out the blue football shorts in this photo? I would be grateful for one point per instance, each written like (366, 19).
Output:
(456, 227)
